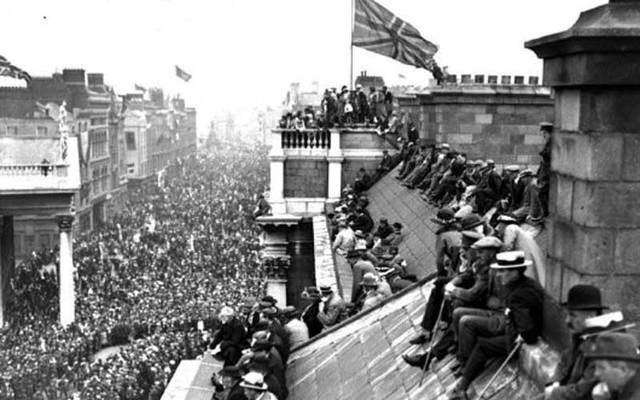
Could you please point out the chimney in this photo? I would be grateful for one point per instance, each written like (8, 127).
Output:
(95, 79)
(73, 76)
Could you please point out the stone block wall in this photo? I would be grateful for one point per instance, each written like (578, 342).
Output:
(350, 167)
(305, 178)
(501, 123)
(363, 140)
(594, 192)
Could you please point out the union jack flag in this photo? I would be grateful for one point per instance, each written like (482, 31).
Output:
(8, 69)
(380, 31)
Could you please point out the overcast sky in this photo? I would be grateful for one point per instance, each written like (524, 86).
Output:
(244, 53)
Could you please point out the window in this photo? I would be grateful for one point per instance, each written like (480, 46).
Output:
(44, 240)
(29, 243)
(12, 130)
(98, 121)
(17, 244)
(41, 131)
(131, 140)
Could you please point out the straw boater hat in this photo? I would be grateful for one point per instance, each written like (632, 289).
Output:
(254, 380)
(511, 260)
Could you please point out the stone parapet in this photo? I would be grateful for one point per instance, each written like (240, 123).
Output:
(594, 69)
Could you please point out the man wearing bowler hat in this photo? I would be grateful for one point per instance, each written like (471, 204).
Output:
(578, 379)
(617, 365)
(523, 312)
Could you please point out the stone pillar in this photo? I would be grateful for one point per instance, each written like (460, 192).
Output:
(277, 269)
(594, 69)
(334, 159)
(7, 261)
(276, 175)
(67, 290)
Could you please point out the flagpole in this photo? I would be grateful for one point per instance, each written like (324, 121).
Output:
(351, 45)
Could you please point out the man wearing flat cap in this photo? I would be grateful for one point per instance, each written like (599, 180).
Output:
(523, 312)
(577, 376)
(617, 365)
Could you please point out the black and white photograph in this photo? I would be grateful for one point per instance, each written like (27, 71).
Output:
(320, 199)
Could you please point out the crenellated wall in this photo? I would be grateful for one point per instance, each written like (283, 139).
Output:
(500, 122)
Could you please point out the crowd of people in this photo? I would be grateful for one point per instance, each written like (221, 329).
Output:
(152, 280)
(488, 292)
(347, 107)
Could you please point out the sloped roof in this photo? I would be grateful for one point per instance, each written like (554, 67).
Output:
(388, 199)
(361, 359)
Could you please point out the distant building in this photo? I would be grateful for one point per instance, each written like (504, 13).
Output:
(368, 81)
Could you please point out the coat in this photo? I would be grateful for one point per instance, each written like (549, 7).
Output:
(631, 391)
(578, 377)
(231, 334)
(333, 310)
(523, 304)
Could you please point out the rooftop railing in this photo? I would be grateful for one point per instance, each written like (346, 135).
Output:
(34, 170)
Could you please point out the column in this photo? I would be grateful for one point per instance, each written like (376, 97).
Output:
(334, 159)
(67, 290)
(277, 269)
(276, 174)
(7, 260)
(594, 69)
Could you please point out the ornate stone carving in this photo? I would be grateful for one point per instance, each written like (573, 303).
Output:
(276, 267)
(65, 222)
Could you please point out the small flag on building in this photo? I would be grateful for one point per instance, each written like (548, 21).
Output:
(180, 73)
(140, 88)
(378, 30)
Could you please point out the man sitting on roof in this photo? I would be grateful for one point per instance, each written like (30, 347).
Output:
(374, 291)
(577, 375)
(255, 388)
(523, 311)
(617, 366)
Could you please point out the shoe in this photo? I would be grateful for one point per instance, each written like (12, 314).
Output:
(458, 394)
(416, 360)
(420, 339)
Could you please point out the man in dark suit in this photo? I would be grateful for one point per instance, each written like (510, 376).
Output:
(577, 375)
(523, 322)
(230, 338)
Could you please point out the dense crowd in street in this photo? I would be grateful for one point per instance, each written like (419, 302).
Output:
(153, 280)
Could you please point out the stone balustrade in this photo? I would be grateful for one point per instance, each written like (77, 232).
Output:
(34, 170)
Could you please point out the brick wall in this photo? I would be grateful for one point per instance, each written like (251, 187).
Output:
(305, 178)
(501, 123)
